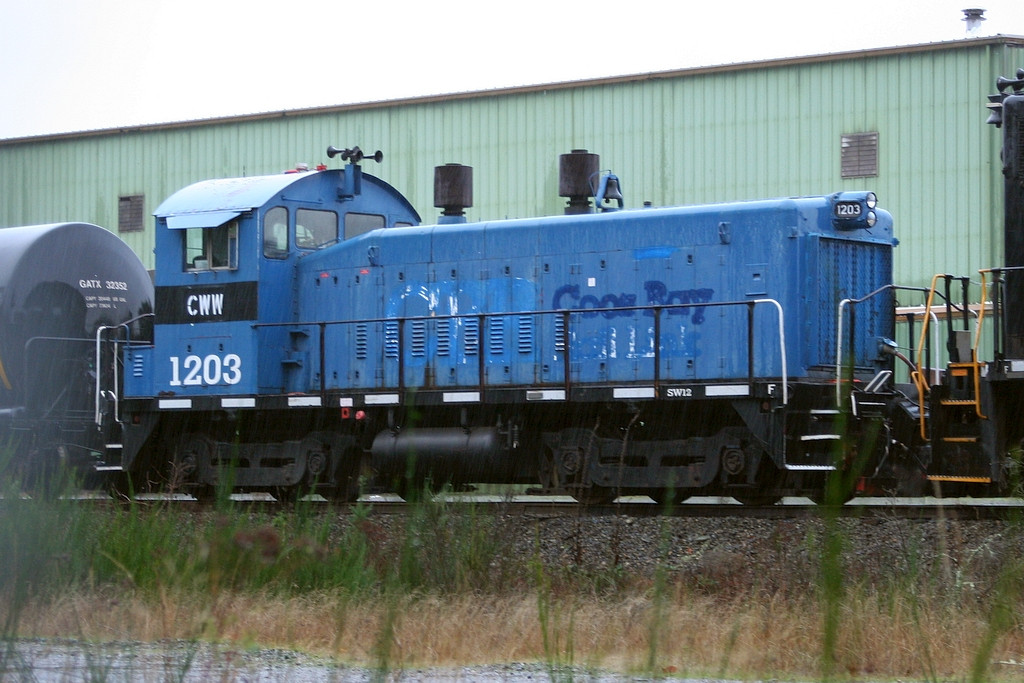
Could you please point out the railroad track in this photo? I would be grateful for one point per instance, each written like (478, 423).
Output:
(794, 508)
(635, 506)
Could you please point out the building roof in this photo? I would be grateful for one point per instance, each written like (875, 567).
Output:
(1006, 40)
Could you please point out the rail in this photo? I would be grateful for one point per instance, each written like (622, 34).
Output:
(563, 337)
(862, 508)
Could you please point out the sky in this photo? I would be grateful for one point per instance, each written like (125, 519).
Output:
(74, 65)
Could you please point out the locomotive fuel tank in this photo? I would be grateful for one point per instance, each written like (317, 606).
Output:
(479, 455)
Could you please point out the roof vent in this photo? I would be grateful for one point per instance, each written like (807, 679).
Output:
(453, 191)
(575, 173)
(973, 17)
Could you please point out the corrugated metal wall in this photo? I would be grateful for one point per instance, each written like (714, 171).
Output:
(750, 131)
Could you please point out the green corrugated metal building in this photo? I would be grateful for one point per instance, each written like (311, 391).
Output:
(906, 122)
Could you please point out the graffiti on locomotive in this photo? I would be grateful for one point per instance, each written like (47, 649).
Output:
(656, 292)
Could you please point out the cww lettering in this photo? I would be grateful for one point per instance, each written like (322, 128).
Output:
(201, 305)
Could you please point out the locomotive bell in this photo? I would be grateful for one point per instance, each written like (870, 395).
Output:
(608, 190)
(612, 190)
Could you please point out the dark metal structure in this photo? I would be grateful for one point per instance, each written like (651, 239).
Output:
(70, 295)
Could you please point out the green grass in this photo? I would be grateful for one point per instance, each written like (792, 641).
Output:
(377, 589)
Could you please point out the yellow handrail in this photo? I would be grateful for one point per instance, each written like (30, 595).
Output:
(918, 375)
(3, 376)
(981, 310)
(977, 344)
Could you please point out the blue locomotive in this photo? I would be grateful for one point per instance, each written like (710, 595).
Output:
(307, 333)
(311, 333)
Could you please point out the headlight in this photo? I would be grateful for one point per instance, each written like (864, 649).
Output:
(854, 210)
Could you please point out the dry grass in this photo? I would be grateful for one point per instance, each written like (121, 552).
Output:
(438, 587)
(696, 633)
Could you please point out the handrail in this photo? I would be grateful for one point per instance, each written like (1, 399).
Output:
(981, 313)
(920, 382)
(917, 375)
(29, 358)
(839, 328)
(97, 416)
(566, 314)
(999, 308)
(977, 344)
(782, 346)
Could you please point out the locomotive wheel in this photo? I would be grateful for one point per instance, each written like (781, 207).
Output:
(553, 475)
(288, 494)
(547, 475)
(825, 497)
(761, 493)
(121, 486)
(836, 489)
(755, 498)
(333, 466)
(416, 489)
(911, 479)
(594, 495)
(44, 472)
(348, 472)
(668, 496)
(191, 454)
(564, 472)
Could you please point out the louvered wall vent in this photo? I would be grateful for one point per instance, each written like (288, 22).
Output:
(859, 156)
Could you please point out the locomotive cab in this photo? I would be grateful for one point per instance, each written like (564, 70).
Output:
(226, 256)
(226, 295)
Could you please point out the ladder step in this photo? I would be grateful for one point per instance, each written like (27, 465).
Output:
(878, 381)
(820, 437)
(954, 477)
(959, 402)
(960, 439)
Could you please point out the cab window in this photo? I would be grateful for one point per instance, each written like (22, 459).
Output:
(358, 223)
(212, 248)
(315, 228)
(275, 233)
